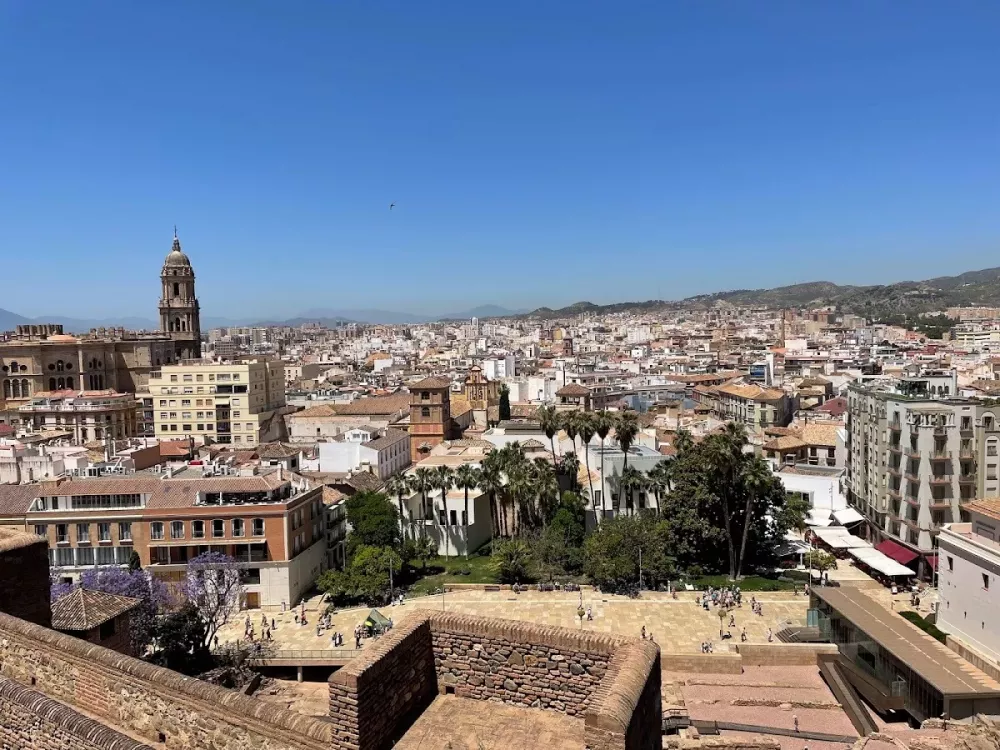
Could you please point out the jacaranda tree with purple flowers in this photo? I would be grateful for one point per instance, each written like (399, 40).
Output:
(214, 586)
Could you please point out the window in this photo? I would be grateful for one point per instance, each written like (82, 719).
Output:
(163, 402)
(173, 428)
(173, 378)
(425, 395)
(199, 378)
(236, 402)
(62, 533)
(951, 563)
(425, 411)
(238, 527)
(258, 527)
(125, 532)
(104, 532)
(218, 529)
(185, 402)
(176, 529)
(986, 581)
(200, 427)
(156, 530)
(40, 530)
(197, 529)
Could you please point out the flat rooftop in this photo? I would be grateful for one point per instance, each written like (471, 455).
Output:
(942, 668)
(466, 723)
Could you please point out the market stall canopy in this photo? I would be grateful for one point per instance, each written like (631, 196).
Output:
(897, 552)
(877, 561)
(838, 537)
(847, 515)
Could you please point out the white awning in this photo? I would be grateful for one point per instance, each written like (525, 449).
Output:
(847, 515)
(838, 537)
(880, 562)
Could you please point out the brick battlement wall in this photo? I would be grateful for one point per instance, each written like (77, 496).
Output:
(610, 682)
(30, 720)
(24, 576)
(155, 704)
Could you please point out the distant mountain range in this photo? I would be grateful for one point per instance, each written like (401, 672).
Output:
(904, 298)
(9, 320)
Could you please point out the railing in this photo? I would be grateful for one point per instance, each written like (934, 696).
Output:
(966, 453)
(966, 478)
(938, 479)
(940, 455)
(302, 654)
(78, 407)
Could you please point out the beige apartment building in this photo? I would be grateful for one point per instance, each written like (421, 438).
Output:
(235, 402)
(89, 415)
(916, 453)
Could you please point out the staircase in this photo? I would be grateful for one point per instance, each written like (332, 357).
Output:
(799, 634)
(846, 695)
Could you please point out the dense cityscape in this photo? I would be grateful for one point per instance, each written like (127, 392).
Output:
(572, 376)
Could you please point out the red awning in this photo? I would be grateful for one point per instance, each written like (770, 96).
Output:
(932, 560)
(897, 552)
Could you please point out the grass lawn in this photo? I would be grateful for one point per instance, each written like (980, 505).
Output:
(749, 583)
(443, 571)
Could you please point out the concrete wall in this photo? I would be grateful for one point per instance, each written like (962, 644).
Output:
(721, 663)
(30, 720)
(967, 608)
(151, 703)
(24, 576)
(783, 654)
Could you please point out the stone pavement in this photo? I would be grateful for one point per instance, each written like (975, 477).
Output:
(677, 625)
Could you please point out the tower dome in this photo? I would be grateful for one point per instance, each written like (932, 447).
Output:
(176, 257)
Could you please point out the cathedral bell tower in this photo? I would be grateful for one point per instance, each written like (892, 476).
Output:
(180, 315)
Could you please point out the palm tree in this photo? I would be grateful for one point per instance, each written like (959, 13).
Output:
(548, 420)
(569, 421)
(626, 429)
(658, 480)
(603, 422)
(491, 482)
(631, 480)
(585, 428)
(546, 488)
(399, 485)
(444, 478)
(423, 482)
(683, 441)
(570, 467)
(466, 478)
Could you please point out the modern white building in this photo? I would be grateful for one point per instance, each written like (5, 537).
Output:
(969, 576)
(366, 448)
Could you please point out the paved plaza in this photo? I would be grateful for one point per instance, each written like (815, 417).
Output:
(677, 625)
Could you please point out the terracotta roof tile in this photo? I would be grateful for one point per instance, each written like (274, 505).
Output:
(84, 609)
(432, 383)
(573, 389)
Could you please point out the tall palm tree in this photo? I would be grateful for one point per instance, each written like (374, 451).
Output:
(626, 430)
(423, 482)
(491, 482)
(399, 485)
(466, 478)
(444, 478)
(683, 441)
(570, 467)
(569, 421)
(586, 430)
(658, 480)
(546, 488)
(631, 481)
(548, 420)
(603, 422)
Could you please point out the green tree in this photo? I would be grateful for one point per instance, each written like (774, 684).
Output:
(611, 552)
(504, 409)
(626, 430)
(134, 563)
(491, 482)
(179, 642)
(658, 480)
(423, 482)
(466, 478)
(819, 560)
(570, 421)
(400, 486)
(373, 520)
(586, 428)
(549, 421)
(511, 559)
(631, 481)
(366, 578)
(603, 424)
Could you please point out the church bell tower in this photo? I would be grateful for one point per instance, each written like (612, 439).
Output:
(180, 315)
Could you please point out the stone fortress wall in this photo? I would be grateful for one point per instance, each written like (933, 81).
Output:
(612, 683)
(59, 692)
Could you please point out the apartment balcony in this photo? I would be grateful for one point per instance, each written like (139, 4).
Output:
(940, 430)
(912, 477)
(895, 494)
(966, 453)
(896, 471)
(913, 454)
(942, 504)
(966, 430)
(911, 500)
(895, 448)
(939, 480)
(940, 455)
(967, 478)
(895, 426)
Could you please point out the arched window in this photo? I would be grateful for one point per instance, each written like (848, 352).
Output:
(59, 365)
(25, 388)
(177, 289)
(69, 383)
(13, 366)
(16, 388)
(184, 325)
(177, 324)
(6, 389)
(62, 384)
(52, 384)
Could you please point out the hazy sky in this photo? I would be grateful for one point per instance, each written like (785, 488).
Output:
(538, 152)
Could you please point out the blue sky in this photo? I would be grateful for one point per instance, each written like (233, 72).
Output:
(538, 152)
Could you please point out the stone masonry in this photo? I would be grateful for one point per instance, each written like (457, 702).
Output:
(30, 720)
(24, 576)
(610, 682)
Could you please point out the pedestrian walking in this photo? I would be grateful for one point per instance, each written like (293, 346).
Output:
(795, 722)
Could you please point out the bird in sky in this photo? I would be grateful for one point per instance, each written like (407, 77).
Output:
(392, 205)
